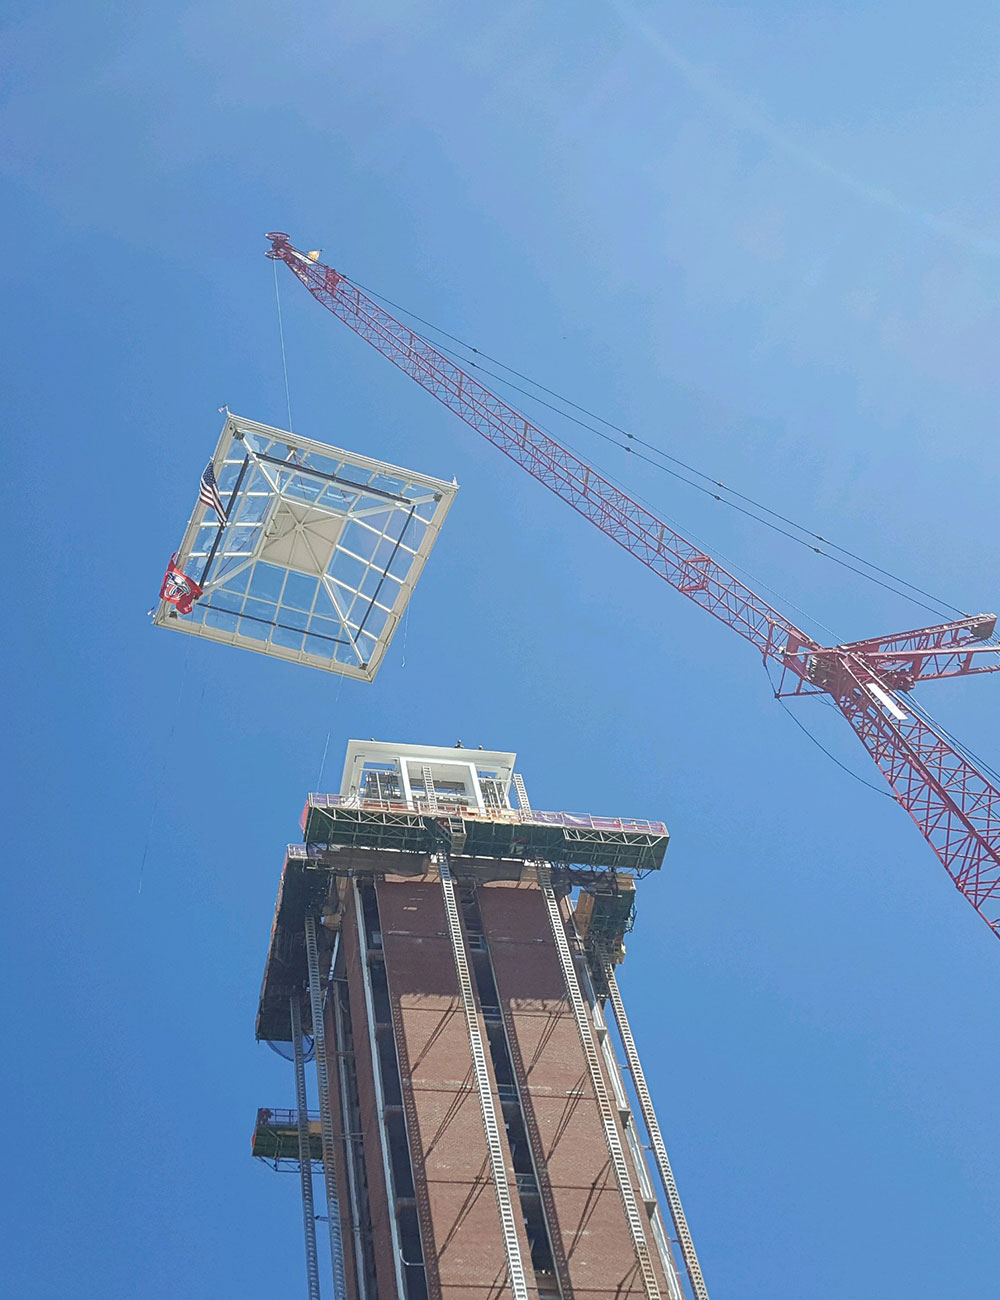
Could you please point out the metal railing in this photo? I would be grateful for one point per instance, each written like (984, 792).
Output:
(278, 1118)
(445, 806)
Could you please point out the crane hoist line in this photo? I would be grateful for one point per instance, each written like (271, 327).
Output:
(954, 804)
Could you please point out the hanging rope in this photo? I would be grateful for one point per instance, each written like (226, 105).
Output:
(322, 764)
(281, 336)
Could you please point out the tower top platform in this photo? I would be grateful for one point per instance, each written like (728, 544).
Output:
(456, 770)
(386, 822)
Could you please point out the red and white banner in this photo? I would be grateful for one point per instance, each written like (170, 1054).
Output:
(178, 589)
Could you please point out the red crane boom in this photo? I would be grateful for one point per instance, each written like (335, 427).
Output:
(956, 808)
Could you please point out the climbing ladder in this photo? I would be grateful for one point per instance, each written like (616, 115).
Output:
(430, 793)
(325, 1114)
(608, 1117)
(305, 1156)
(494, 1142)
(656, 1139)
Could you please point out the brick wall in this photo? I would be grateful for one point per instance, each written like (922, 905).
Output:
(447, 1143)
(591, 1230)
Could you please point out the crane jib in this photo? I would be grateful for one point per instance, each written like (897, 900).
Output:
(955, 806)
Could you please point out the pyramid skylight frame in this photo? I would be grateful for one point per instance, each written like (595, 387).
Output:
(319, 555)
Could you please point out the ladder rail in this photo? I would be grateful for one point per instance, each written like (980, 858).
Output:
(494, 1142)
(305, 1155)
(625, 1189)
(365, 952)
(657, 1219)
(430, 793)
(652, 1124)
(349, 1157)
(325, 1113)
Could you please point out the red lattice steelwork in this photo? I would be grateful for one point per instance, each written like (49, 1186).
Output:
(956, 808)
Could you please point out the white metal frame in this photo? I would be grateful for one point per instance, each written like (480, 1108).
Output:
(459, 764)
(375, 525)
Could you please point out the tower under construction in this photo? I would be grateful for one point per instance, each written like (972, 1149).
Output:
(447, 955)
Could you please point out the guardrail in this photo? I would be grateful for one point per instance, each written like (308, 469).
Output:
(269, 1118)
(517, 816)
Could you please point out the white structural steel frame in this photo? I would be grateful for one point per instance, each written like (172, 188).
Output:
(652, 1124)
(325, 1114)
(305, 1155)
(202, 550)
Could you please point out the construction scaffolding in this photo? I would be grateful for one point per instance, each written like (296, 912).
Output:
(357, 940)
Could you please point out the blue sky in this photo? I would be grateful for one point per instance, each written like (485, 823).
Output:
(764, 238)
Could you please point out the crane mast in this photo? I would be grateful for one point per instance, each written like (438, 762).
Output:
(954, 805)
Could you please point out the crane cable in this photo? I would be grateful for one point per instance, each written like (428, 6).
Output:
(818, 743)
(939, 604)
(281, 336)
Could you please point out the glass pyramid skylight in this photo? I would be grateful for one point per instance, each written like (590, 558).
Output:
(317, 556)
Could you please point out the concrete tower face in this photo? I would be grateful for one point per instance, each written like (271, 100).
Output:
(479, 1139)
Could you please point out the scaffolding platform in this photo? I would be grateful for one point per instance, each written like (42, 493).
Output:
(603, 920)
(276, 1137)
(579, 839)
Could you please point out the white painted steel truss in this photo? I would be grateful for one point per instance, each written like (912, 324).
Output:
(318, 555)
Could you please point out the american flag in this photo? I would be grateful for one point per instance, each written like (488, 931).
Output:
(209, 492)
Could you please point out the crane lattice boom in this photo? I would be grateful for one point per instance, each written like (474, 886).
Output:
(956, 808)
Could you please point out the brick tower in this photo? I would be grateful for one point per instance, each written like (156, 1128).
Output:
(451, 952)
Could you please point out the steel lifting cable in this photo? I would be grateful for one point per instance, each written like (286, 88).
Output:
(656, 1138)
(281, 336)
(305, 1155)
(325, 1114)
(625, 1189)
(690, 469)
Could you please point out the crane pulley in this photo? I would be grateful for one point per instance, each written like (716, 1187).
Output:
(955, 806)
